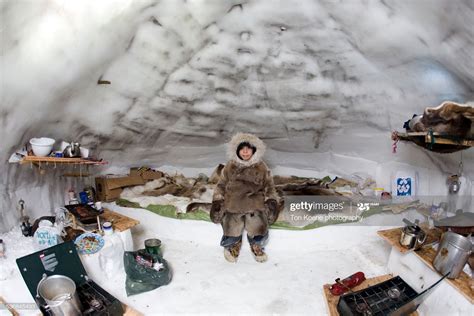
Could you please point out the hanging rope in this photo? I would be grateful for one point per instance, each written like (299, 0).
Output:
(395, 139)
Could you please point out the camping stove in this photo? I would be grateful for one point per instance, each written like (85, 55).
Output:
(95, 301)
(385, 298)
(393, 297)
(63, 259)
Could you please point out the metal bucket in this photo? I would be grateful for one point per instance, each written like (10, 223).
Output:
(60, 295)
(453, 252)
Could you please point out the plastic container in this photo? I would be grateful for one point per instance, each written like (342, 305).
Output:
(107, 228)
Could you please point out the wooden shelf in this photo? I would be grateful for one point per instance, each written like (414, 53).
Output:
(130, 311)
(437, 138)
(120, 222)
(55, 160)
(392, 236)
(332, 300)
(464, 284)
(434, 141)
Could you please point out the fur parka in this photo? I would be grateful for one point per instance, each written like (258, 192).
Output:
(244, 186)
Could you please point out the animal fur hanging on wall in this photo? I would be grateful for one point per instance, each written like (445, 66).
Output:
(449, 118)
(446, 128)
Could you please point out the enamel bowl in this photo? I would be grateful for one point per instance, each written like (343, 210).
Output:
(42, 147)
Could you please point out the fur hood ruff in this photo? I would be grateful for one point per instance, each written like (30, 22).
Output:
(250, 138)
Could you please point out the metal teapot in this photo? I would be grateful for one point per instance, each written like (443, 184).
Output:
(73, 150)
(412, 236)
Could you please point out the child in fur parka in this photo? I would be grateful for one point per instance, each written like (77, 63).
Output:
(245, 198)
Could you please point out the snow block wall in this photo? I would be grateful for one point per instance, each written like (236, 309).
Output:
(322, 82)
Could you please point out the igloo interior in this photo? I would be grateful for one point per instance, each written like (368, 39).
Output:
(166, 84)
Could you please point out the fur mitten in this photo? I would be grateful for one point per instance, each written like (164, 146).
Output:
(272, 210)
(217, 213)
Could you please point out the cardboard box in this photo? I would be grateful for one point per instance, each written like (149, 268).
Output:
(108, 188)
(146, 173)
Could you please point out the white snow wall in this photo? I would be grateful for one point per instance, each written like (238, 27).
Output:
(322, 82)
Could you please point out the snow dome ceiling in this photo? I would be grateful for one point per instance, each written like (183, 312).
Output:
(138, 81)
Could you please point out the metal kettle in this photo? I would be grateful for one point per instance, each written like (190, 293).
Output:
(73, 150)
(412, 236)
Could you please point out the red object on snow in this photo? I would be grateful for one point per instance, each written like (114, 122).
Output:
(342, 286)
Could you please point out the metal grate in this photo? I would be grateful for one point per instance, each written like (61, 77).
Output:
(95, 301)
(381, 299)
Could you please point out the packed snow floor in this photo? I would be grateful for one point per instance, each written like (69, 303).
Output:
(290, 282)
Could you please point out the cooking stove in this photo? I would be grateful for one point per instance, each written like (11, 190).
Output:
(96, 301)
(393, 297)
(63, 259)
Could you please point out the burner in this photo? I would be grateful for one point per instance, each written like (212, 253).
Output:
(386, 298)
(363, 308)
(393, 293)
(96, 301)
(96, 304)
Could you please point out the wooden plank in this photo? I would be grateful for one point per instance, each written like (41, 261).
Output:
(120, 222)
(56, 160)
(443, 137)
(392, 236)
(129, 311)
(448, 141)
(435, 138)
(76, 175)
(463, 284)
(331, 300)
(9, 307)
(416, 134)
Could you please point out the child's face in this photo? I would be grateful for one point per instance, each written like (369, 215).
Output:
(246, 153)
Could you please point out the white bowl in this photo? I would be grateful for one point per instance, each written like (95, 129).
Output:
(42, 147)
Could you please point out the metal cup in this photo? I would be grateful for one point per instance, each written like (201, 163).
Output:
(152, 246)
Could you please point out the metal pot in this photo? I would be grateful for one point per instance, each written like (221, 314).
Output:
(412, 237)
(60, 295)
(453, 253)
